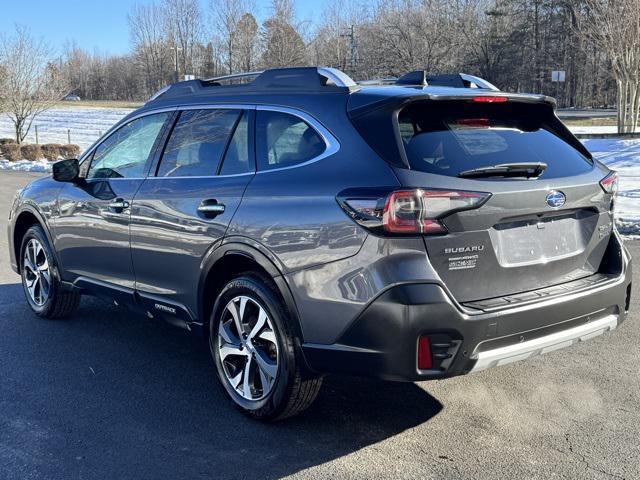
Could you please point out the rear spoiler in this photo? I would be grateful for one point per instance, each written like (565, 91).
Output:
(382, 116)
(362, 103)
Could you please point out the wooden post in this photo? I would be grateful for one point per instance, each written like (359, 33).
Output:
(37, 135)
(69, 136)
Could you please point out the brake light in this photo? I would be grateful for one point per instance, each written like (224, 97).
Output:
(425, 361)
(610, 183)
(409, 212)
(473, 122)
(490, 99)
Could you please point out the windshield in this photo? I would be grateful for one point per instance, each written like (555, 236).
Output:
(447, 138)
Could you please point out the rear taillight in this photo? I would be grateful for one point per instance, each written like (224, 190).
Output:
(610, 183)
(416, 211)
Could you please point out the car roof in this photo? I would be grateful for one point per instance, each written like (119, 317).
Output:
(299, 85)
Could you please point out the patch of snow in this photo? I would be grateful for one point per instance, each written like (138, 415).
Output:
(576, 129)
(84, 124)
(41, 166)
(598, 129)
(624, 157)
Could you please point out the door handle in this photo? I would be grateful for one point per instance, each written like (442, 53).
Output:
(119, 205)
(211, 208)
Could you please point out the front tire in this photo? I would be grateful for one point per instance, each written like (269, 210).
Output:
(253, 348)
(41, 279)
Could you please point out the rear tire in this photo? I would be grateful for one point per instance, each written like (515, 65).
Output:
(41, 279)
(256, 359)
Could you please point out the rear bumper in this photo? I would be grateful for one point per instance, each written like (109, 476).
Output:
(547, 343)
(382, 341)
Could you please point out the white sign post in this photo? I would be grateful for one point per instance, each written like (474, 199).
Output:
(557, 77)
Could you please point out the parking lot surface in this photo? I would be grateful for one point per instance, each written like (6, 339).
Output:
(108, 394)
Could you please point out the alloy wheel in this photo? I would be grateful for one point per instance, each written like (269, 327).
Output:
(247, 348)
(36, 272)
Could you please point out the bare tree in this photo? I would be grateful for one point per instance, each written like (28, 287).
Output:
(333, 44)
(614, 27)
(149, 39)
(32, 82)
(230, 25)
(184, 27)
(283, 44)
(247, 42)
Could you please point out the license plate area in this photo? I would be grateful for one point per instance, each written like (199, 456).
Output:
(542, 239)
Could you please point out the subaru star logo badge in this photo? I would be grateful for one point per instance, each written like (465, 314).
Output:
(556, 199)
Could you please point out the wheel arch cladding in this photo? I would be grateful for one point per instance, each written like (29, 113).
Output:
(24, 221)
(231, 260)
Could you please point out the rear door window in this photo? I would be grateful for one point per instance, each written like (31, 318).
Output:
(447, 138)
(237, 159)
(197, 143)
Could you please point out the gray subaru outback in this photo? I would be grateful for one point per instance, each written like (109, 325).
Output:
(409, 230)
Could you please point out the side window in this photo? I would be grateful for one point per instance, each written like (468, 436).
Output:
(236, 160)
(197, 143)
(124, 153)
(283, 140)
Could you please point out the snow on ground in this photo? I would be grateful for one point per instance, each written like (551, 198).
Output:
(624, 157)
(594, 129)
(41, 166)
(577, 129)
(84, 123)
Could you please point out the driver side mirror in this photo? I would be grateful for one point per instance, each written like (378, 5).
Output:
(66, 170)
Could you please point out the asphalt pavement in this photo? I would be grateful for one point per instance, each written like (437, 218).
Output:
(108, 394)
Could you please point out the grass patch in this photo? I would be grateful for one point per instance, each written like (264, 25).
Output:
(590, 122)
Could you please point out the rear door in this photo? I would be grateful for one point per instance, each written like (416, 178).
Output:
(183, 209)
(532, 232)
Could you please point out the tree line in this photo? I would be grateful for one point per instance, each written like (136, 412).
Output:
(515, 44)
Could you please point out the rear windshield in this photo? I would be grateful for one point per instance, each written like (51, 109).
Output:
(447, 138)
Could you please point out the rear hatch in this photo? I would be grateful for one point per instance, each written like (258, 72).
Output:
(546, 220)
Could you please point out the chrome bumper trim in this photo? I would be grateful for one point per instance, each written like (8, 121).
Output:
(548, 343)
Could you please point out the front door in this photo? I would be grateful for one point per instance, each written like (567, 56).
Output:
(92, 228)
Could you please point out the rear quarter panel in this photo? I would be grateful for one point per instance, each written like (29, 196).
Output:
(293, 212)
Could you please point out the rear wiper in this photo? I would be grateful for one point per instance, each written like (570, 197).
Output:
(525, 169)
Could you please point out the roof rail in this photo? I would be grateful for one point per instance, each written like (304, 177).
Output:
(479, 82)
(378, 81)
(318, 79)
(338, 77)
(456, 80)
(233, 76)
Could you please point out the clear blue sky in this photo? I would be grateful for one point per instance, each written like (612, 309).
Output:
(97, 24)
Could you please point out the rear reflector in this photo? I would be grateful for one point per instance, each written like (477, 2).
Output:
(490, 99)
(424, 354)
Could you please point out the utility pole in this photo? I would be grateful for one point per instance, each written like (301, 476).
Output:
(353, 48)
(175, 50)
